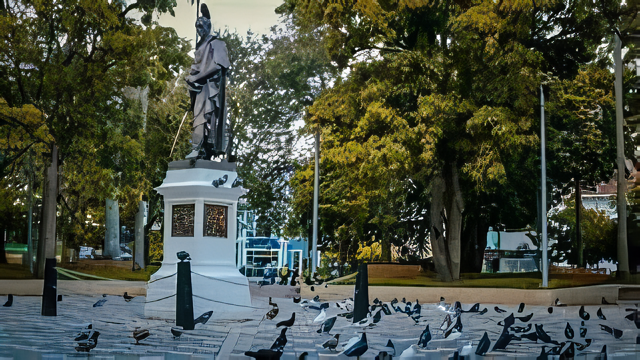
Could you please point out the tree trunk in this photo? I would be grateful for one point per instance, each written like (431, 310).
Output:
(47, 241)
(578, 227)
(385, 247)
(112, 225)
(454, 210)
(446, 223)
(3, 255)
(438, 241)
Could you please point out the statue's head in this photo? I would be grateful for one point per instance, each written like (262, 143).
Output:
(203, 24)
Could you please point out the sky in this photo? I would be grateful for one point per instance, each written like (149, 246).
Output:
(240, 15)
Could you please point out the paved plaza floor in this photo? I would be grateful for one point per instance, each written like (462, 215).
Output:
(25, 334)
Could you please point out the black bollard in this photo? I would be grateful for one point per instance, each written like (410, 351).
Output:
(361, 296)
(184, 295)
(50, 288)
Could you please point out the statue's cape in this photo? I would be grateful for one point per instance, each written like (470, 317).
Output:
(210, 57)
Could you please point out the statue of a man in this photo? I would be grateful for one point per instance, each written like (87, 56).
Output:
(206, 81)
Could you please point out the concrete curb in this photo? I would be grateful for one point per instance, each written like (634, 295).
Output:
(586, 295)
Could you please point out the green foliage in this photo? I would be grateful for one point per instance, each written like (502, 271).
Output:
(273, 78)
(599, 234)
(437, 91)
(69, 76)
(155, 246)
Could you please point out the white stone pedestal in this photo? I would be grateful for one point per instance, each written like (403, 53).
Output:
(189, 195)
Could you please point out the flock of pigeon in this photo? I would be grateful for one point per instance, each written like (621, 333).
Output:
(516, 326)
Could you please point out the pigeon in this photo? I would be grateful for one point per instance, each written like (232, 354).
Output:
(321, 317)
(550, 310)
(312, 288)
(100, 302)
(425, 337)
(483, 345)
(533, 336)
(568, 351)
(504, 340)
(332, 343)
(605, 302)
(474, 308)
(520, 329)
(356, 348)
(127, 297)
(378, 316)
(296, 299)
(264, 354)
(202, 319)
(84, 333)
(581, 347)
(383, 355)
(603, 352)
(525, 318)
(316, 298)
(271, 314)
(498, 310)
(9, 301)
(140, 334)
(521, 307)
(457, 307)
(543, 336)
(272, 303)
(508, 322)
(407, 307)
(386, 309)
(583, 330)
(543, 355)
(615, 332)
(568, 331)
(176, 332)
(85, 345)
(558, 303)
(446, 322)
(455, 329)
(287, 323)
(327, 325)
(280, 342)
(583, 314)
(484, 311)
(634, 316)
(390, 348)
(417, 308)
(600, 314)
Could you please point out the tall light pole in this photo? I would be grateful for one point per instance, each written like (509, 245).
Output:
(623, 256)
(543, 207)
(316, 186)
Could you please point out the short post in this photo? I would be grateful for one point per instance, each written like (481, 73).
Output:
(49, 292)
(184, 295)
(361, 296)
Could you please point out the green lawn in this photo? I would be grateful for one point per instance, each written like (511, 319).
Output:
(15, 271)
(111, 272)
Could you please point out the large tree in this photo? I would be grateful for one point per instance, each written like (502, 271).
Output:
(73, 62)
(439, 97)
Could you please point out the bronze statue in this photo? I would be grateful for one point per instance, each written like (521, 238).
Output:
(206, 82)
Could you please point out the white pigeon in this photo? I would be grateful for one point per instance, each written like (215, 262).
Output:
(321, 317)
(350, 342)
